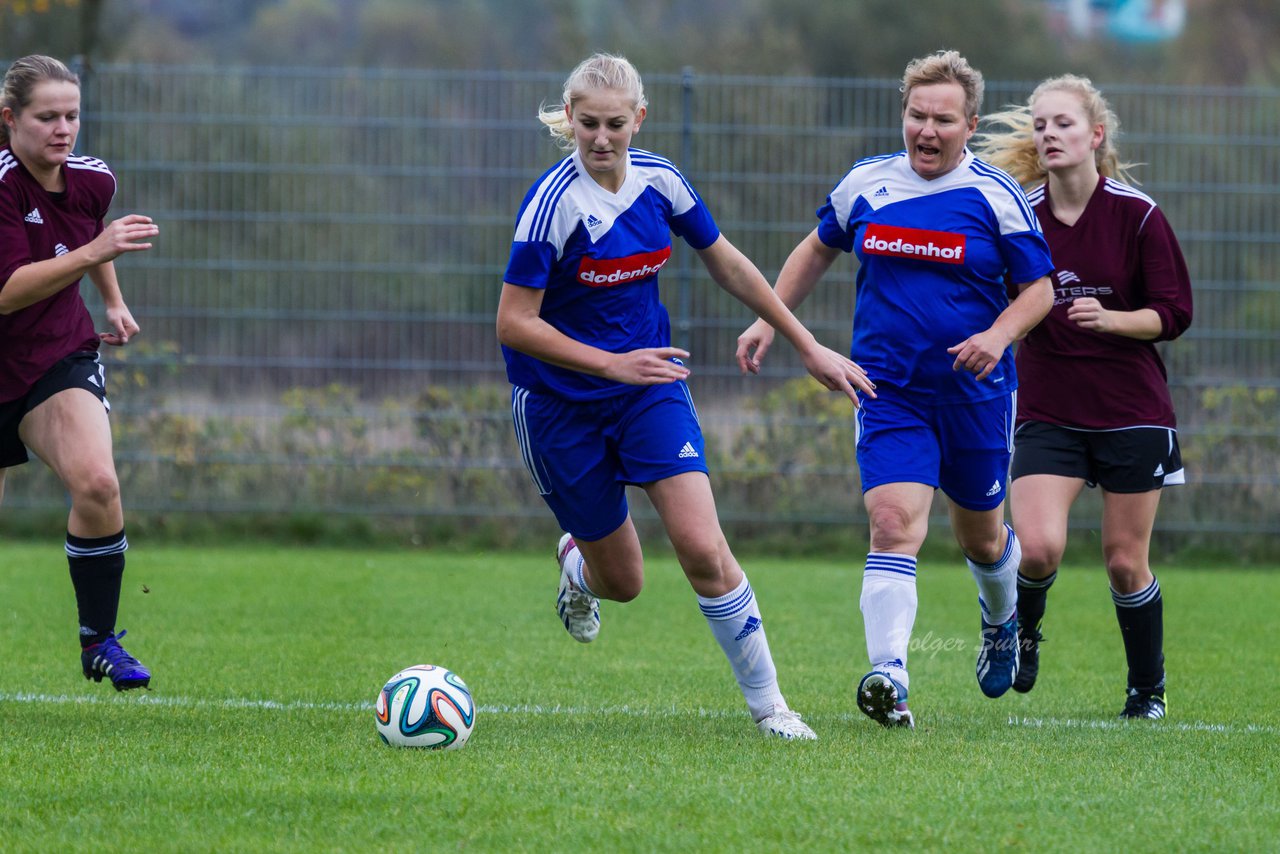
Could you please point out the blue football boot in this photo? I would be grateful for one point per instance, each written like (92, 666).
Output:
(998, 658)
(108, 658)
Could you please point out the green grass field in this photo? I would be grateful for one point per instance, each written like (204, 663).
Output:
(258, 734)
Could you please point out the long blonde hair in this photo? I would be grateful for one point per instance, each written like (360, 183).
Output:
(21, 80)
(1011, 145)
(598, 71)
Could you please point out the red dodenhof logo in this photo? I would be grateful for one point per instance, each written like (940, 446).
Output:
(607, 272)
(945, 247)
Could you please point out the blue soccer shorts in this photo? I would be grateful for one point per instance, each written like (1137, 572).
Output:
(583, 454)
(961, 448)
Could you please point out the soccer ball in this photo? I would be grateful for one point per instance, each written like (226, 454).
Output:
(425, 706)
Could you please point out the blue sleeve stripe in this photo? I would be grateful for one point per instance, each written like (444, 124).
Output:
(550, 192)
(876, 159)
(640, 153)
(640, 157)
(1015, 191)
(865, 162)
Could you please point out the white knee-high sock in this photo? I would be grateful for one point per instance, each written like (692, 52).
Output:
(575, 566)
(735, 621)
(888, 605)
(998, 582)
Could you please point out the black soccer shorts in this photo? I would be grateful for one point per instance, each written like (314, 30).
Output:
(81, 369)
(1130, 460)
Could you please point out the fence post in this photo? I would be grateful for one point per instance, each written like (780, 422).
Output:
(684, 300)
(82, 66)
(82, 62)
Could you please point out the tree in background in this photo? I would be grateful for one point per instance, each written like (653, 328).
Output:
(1231, 42)
(43, 26)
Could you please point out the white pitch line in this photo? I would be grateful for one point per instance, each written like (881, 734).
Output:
(307, 705)
(1179, 726)
(181, 702)
(574, 711)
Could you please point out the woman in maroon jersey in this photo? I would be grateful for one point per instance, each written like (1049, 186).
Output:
(1093, 400)
(52, 387)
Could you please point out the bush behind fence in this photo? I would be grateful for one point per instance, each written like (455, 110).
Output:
(318, 313)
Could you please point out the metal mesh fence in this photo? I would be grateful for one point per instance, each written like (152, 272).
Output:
(318, 313)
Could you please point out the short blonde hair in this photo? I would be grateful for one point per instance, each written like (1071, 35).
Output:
(598, 71)
(945, 66)
(1012, 145)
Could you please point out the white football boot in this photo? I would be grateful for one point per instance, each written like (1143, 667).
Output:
(786, 724)
(580, 612)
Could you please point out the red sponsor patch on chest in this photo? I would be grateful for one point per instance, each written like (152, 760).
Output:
(945, 247)
(608, 272)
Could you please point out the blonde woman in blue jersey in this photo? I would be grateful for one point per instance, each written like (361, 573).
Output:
(599, 398)
(936, 232)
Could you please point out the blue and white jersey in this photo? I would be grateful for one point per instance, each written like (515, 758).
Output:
(933, 258)
(597, 254)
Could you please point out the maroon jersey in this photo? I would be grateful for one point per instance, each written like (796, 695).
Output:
(1123, 253)
(36, 225)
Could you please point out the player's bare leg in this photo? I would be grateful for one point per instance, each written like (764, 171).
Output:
(71, 433)
(687, 508)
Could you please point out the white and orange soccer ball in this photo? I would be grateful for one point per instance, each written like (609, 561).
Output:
(425, 706)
